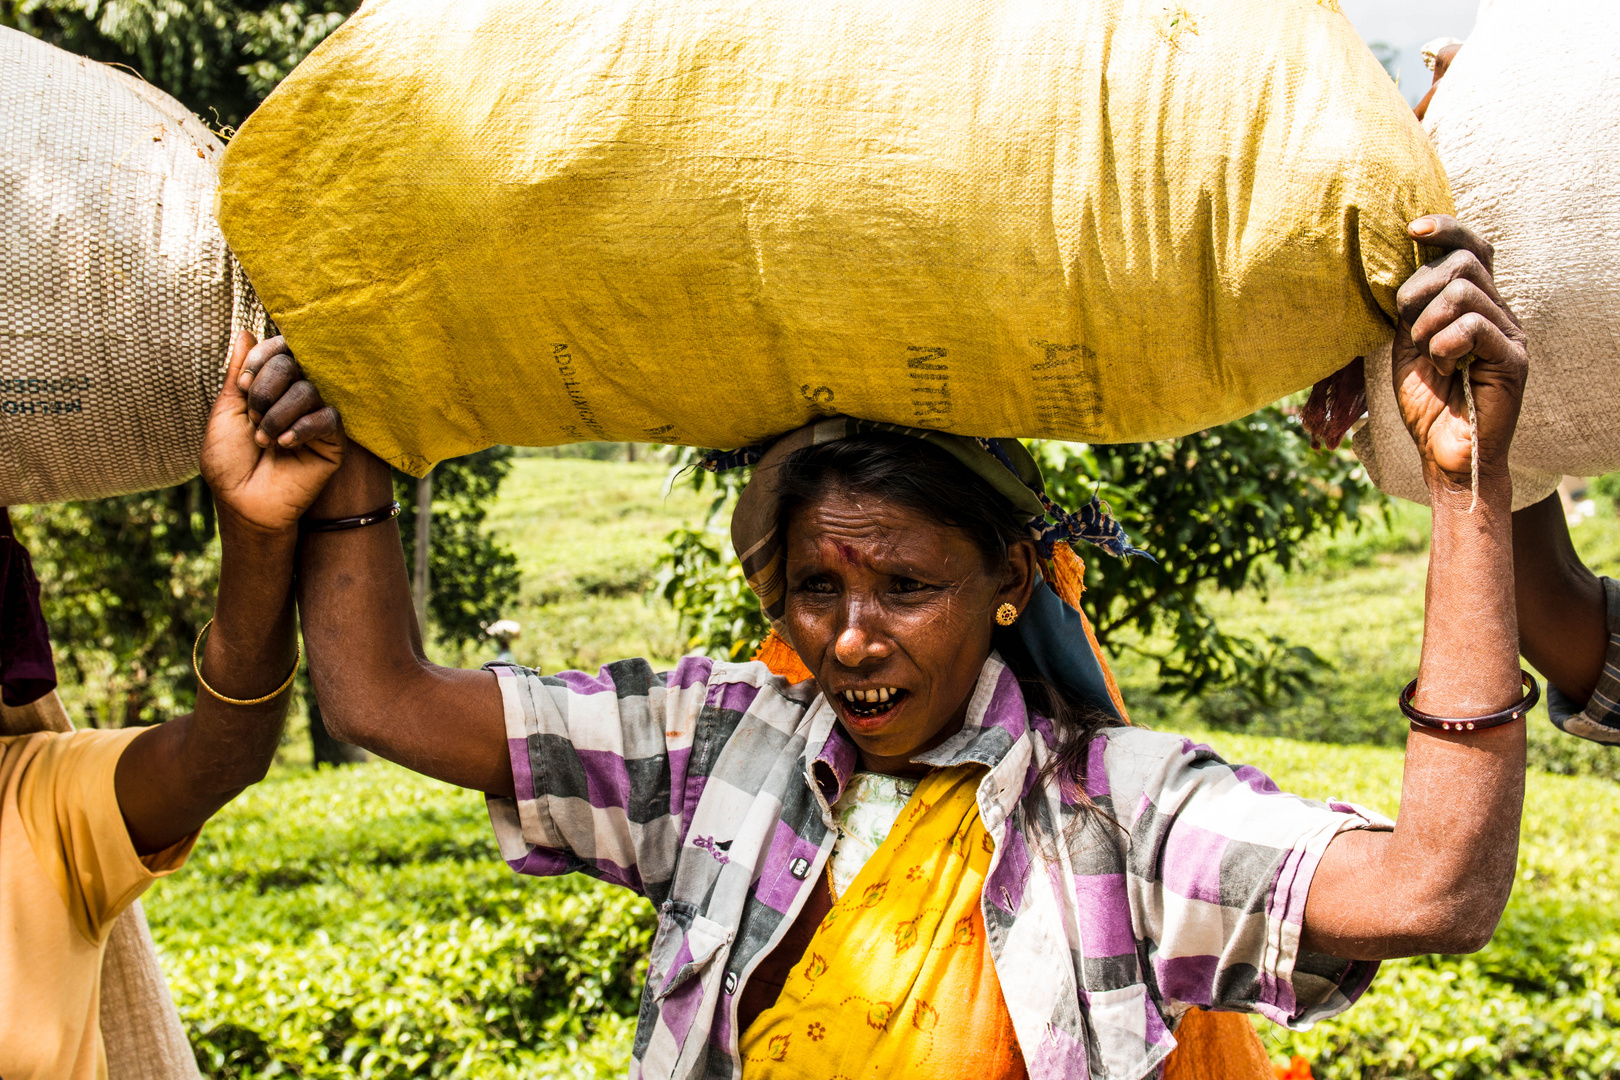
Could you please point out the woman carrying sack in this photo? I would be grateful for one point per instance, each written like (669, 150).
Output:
(89, 819)
(938, 849)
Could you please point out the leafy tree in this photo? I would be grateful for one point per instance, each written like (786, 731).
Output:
(126, 583)
(1607, 487)
(219, 57)
(699, 574)
(703, 581)
(471, 574)
(1214, 509)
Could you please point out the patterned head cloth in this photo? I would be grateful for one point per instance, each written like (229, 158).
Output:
(1051, 629)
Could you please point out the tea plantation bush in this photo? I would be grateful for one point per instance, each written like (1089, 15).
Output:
(359, 923)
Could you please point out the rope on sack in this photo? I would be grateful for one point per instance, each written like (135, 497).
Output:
(1473, 433)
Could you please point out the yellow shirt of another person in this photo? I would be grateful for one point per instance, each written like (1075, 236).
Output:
(67, 870)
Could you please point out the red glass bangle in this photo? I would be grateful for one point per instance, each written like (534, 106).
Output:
(1532, 694)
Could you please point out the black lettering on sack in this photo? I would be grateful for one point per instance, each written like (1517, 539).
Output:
(11, 407)
(40, 385)
(1065, 381)
(930, 376)
(926, 353)
(821, 397)
(33, 384)
(582, 405)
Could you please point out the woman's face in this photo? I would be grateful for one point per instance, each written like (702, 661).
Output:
(893, 613)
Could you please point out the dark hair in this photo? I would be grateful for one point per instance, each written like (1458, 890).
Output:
(927, 480)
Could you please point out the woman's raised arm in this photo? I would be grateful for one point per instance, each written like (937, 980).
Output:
(1439, 881)
(377, 688)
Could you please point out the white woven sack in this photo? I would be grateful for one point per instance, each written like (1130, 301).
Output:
(118, 296)
(1525, 122)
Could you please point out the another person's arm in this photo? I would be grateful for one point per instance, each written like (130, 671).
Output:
(174, 776)
(1442, 62)
(1439, 881)
(1563, 612)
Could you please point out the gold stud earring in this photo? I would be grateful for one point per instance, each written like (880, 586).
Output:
(1006, 615)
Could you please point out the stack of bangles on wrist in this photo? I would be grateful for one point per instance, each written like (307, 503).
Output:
(1517, 711)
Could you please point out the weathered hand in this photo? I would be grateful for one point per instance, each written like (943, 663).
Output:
(268, 453)
(1449, 311)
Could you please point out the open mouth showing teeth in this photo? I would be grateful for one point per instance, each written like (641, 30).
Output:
(867, 703)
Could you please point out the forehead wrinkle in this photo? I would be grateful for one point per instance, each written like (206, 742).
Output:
(849, 529)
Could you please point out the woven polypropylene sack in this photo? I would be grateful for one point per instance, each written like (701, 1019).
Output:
(117, 293)
(708, 221)
(1525, 122)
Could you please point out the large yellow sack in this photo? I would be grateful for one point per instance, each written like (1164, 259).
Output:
(705, 221)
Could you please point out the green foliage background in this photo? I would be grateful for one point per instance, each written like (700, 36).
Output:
(359, 923)
(219, 57)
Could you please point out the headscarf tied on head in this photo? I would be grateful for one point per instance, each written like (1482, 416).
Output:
(1052, 629)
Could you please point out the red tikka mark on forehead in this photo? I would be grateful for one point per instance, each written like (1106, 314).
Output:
(852, 556)
(840, 551)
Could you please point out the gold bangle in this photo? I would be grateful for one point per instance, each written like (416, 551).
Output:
(298, 655)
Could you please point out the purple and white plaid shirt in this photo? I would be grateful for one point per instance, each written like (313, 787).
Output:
(708, 789)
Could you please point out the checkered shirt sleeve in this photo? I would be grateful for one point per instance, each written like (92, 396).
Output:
(1599, 721)
(599, 770)
(1221, 863)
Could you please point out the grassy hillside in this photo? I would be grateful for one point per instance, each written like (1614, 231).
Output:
(360, 923)
(586, 534)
